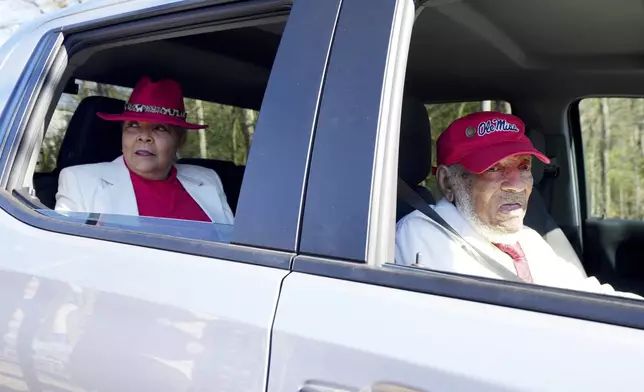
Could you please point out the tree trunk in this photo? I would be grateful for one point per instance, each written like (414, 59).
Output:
(636, 169)
(102, 90)
(605, 149)
(622, 203)
(249, 127)
(590, 149)
(203, 143)
(501, 106)
(461, 110)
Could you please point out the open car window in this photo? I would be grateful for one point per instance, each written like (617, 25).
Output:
(223, 72)
(228, 137)
(612, 131)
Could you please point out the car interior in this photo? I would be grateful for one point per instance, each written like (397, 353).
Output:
(543, 58)
(542, 64)
(225, 74)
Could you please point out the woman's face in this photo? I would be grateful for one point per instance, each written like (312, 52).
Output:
(149, 149)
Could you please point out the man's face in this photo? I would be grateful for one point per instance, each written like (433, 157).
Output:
(498, 197)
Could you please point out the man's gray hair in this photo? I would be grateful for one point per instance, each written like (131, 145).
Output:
(457, 173)
(456, 169)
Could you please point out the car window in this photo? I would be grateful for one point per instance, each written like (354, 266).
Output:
(210, 165)
(612, 131)
(495, 212)
(227, 138)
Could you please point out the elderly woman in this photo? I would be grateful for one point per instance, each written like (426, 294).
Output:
(145, 180)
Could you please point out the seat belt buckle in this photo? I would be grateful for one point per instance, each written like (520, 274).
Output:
(551, 170)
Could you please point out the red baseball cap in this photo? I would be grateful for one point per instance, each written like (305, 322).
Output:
(480, 140)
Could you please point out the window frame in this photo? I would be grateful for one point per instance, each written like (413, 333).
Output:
(573, 114)
(350, 191)
(581, 174)
(348, 260)
(271, 249)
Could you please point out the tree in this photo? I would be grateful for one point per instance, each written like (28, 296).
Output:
(203, 143)
(605, 147)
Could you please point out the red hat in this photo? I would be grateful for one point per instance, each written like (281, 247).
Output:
(160, 102)
(480, 140)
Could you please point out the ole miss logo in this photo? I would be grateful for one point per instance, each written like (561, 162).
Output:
(495, 125)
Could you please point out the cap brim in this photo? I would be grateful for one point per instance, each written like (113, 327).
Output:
(483, 159)
(150, 118)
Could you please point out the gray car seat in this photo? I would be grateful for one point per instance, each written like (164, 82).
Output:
(415, 152)
(539, 219)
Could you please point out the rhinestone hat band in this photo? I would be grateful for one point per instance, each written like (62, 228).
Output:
(141, 108)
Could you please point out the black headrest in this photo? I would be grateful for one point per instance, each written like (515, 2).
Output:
(539, 142)
(415, 153)
(89, 138)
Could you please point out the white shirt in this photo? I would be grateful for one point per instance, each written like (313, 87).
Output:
(417, 233)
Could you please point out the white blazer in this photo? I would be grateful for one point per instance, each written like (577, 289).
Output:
(107, 188)
(416, 233)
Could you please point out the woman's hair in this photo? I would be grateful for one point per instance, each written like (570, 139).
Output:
(182, 133)
(182, 137)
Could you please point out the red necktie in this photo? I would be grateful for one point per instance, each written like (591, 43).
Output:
(520, 263)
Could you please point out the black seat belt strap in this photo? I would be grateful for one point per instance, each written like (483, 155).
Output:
(409, 196)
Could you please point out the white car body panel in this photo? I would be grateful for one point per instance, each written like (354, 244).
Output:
(125, 318)
(83, 314)
(352, 336)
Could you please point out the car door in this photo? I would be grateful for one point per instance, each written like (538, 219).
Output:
(84, 307)
(350, 320)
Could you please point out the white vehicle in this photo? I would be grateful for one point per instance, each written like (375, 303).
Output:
(302, 293)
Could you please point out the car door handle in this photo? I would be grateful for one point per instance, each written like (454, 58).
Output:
(320, 386)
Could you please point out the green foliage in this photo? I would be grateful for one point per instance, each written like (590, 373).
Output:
(612, 135)
(51, 145)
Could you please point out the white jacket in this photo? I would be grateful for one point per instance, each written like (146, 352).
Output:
(416, 233)
(107, 188)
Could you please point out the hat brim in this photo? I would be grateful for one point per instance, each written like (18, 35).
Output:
(481, 160)
(150, 117)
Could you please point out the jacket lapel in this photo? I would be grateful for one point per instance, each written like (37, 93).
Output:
(120, 196)
(195, 187)
(118, 189)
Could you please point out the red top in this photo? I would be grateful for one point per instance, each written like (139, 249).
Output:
(166, 198)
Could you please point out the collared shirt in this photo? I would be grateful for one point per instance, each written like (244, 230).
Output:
(416, 233)
(166, 198)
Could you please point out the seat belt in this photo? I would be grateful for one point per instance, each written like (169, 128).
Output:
(409, 196)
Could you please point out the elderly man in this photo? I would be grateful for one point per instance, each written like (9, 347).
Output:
(484, 172)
